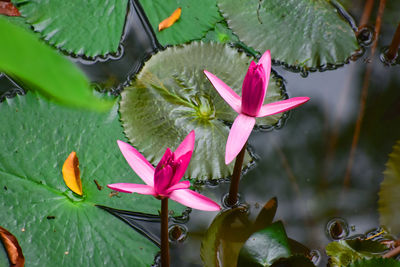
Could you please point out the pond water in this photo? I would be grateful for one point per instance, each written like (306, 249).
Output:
(307, 164)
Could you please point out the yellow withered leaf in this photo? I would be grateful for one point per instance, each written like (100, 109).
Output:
(71, 174)
(168, 22)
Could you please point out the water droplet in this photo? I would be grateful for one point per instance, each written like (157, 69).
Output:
(386, 60)
(225, 203)
(177, 233)
(315, 256)
(365, 36)
(337, 229)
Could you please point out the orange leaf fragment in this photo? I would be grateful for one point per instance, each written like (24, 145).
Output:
(12, 247)
(71, 174)
(7, 8)
(168, 22)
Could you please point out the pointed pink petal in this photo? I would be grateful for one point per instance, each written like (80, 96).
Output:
(265, 61)
(186, 145)
(181, 185)
(225, 91)
(180, 171)
(238, 136)
(137, 162)
(194, 200)
(281, 106)
(132, 188)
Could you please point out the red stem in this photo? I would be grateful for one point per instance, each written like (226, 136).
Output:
(237, 171)
(164, 233)
(394, 46)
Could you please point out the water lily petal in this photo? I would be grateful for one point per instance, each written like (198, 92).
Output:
(240, 132)
(181, 185)
(132, 188)
(225, 91)
(194, 200)
(137, 162)
(265, 61)
(281, 106)
(253, 89)
(186, 145)
(180, 171)
(163, 178)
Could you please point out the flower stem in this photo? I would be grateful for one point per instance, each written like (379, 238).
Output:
(394, 46)
(164, 233)
(237, 171)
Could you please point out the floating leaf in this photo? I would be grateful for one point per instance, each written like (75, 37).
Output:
(44, 69)
(264, 247)
(71, 174)
(168, 22)
(90, 28)
(12, 247)
(366, 246)
(171, 96)
(381, 262)
(389, 198)
(52, 225)
(197, 18)
(221, 33)
(7, 8)
(303, 34)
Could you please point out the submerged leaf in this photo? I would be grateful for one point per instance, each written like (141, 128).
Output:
(168, 22)
(12, 247)
(300, 33)
(90, 27)
(44, 70)
(171, 96)
(71, 174)
(344, 252)
(389, 197)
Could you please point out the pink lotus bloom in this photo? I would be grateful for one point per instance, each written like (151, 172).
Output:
(164, 180)
(250, 105)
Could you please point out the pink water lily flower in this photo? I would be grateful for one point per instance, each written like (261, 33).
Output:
(164, 180)
(250, 105)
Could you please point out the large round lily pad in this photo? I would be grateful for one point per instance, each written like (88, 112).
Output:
(196, 19)
(53, 226)
(300, 33)
(171, 96)
(90, 27)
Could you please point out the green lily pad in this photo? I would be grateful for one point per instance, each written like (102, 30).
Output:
(389, 199)
(54, 226)
(196, 19)
(344, 252)
(266, 246)
(90, 28)
(293, 261)
(171, 96)
(381, 262)
(44, 69)
(301, 34)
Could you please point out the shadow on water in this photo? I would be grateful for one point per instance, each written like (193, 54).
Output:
(137, 45)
